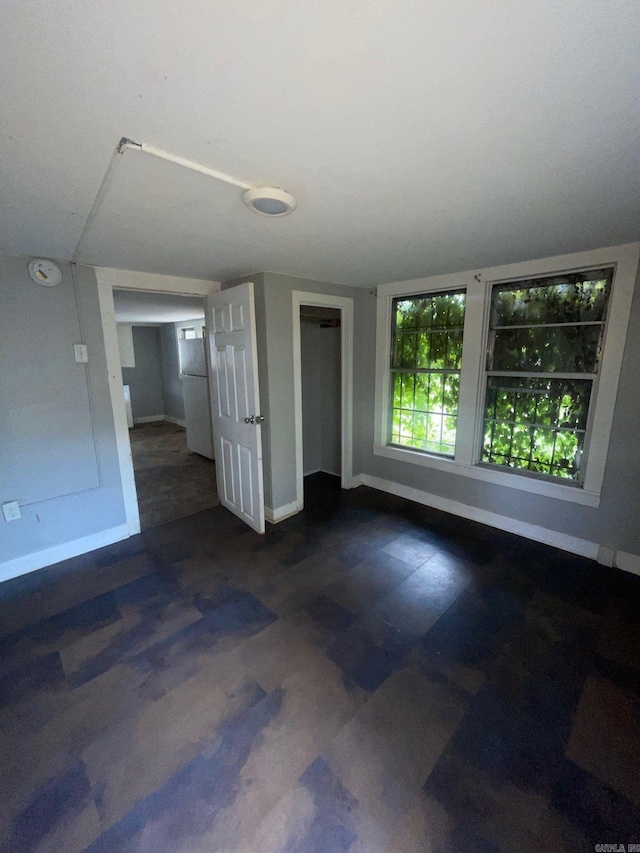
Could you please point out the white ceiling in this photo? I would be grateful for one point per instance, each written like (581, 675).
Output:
(133, 306)
(417, 137)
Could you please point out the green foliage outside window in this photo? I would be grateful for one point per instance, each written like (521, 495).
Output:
(572, 298)
(426, 354)
(536, 424)
(544, 346)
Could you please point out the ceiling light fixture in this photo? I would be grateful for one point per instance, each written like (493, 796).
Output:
(270, 201)
(267, 201)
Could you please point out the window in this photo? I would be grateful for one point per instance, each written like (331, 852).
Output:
(426, 352)
(190, 330)
(529, 403)
(544, 345)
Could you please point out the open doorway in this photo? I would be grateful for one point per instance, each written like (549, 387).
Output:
(161, 346)
(323, 359)
(320, 362)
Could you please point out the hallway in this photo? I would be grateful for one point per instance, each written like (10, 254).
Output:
(171, 480)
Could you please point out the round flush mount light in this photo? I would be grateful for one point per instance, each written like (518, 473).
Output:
(45, 272)
(270, 201)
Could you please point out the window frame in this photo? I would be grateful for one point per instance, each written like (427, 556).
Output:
(478, 285)
(593, 377)
(198, 326)
(394, 369)
(185, 325)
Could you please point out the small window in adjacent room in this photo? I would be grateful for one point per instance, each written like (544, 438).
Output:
(192, 330)
(543, 355)
(426, 355)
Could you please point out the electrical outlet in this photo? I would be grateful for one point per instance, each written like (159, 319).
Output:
(11, 511)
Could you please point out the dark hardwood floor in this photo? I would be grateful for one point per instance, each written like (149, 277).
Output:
(171, 480)
(369, 676)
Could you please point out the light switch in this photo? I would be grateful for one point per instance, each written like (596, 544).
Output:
(81, 353)
(11, 511)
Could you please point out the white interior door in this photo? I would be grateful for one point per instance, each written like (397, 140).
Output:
(235, 402)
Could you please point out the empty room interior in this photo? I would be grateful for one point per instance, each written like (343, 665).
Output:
(319, 444)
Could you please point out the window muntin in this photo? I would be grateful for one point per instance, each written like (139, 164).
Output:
(544, 349)
(426, 355)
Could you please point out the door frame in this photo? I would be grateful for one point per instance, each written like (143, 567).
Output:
(345, 305)
(109, 279)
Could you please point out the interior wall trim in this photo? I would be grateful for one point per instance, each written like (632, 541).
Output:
(345, 305)
(281, 512)
(175, 421)
(627, 562)
(623, 560)
(149, 419)
(564, 541)
(50, 556)
(114, 371)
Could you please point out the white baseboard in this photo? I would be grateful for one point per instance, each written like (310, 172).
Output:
(355, 481)
(49, 556)
(606, 556)
(320, 471)
(512, 525)
(281, 512)
(627, 562)
(149, 419)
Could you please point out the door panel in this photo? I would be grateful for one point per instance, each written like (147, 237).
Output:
(228, 489)
(233, 374)
(222, 383)
(246, 479)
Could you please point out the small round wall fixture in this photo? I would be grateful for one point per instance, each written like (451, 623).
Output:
(45, 272)
(270, 201)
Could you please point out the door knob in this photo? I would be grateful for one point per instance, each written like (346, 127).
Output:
(254, 419)
(259, 419)
(249, 420)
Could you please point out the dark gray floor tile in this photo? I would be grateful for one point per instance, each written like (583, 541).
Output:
(371, 675)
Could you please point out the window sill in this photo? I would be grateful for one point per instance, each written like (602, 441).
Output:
(559, 491)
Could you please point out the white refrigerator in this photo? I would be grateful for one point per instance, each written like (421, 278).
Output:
(195, 388)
